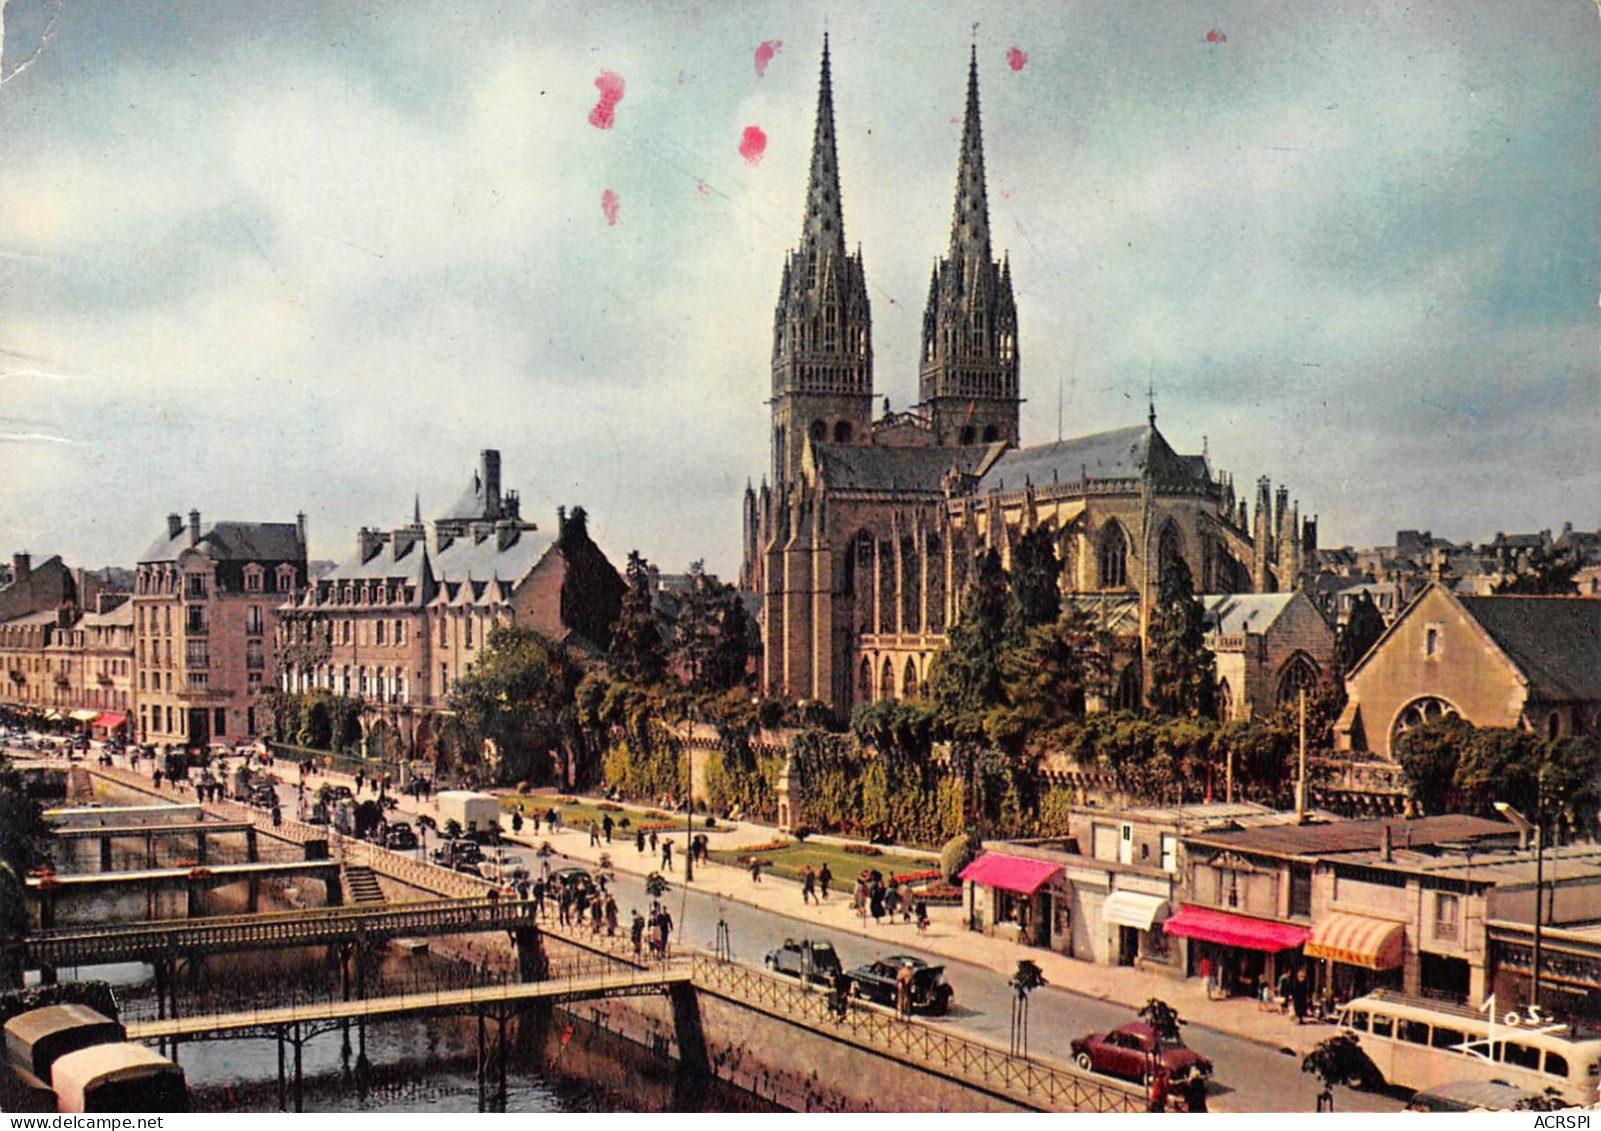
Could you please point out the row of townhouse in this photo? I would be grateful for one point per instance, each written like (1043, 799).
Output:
(220, 613)
(1438, 907)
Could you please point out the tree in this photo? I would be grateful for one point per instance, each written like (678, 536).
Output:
(1028, 978)
(1183, 671)
(1362, 629)
(1036, 579)
(1049, 675)
(1164, 1019)
(637, 651)
(1340, 1060)
(1429, 756)
(1549, 573)
(521, 696)
(965, 678)
(23, 834)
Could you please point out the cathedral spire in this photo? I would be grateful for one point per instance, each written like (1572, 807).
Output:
(970, 222)
(824, 227)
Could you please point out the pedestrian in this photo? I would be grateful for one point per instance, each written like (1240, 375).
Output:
(922, 917)
(607, 824)
(597, 913)
(358, 783)
(654, 840)
(1156, 1080)
(903, 991)
(639, 840)
(755, 870)
(517, 820)
(842, 993)
(539, 898)
(1195, 1093)
(277, 817)
(535, 818)
(808, 885)
(611, 916)
(824, 878)
(892, 901)
(667, 854)
(636, 933)
(1205, 970)
(564, 906)
(1286, 985)
(594, 834)
(1301, 994)
(875, 902)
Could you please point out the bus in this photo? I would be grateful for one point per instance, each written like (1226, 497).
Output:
(1419, 1044)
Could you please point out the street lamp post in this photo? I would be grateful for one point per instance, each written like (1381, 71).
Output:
(689, 810)
(1526, 826)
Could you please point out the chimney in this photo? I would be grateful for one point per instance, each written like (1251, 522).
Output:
(300, 529)
(194, 527)
(490, 459)
(368, 542)
(1385, 845)
(506, 534)
(21, 566)
(174, 525)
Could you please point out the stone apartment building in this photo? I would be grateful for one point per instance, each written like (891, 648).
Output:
(59, 662)
(398, 623)
(205, 626)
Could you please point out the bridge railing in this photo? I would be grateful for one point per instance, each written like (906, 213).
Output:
(1035, 1083)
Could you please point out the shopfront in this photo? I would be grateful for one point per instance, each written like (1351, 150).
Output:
(1010, 894)
(1236, 954)
(1133, 917)
(1357, 954)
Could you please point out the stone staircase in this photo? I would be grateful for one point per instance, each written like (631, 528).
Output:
(361, 886)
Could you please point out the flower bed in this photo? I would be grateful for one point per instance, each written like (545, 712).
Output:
(657, 827)
(770, 846)
(609, 807)
(566, 801)
(864, 850)
(940, 893)
(914, 877)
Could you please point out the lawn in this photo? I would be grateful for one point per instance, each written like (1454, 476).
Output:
(578, 813)
(795, 855)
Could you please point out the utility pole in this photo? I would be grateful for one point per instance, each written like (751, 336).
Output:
(1300, 781)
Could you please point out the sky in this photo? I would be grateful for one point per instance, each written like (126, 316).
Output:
(263, 258)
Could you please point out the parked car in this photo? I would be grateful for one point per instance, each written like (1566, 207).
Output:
(454, 853)
(876, 982)
(811, 960)
(572, 876)
(400, 836)
(1126, 1052)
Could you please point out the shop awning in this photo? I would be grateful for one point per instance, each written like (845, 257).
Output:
(1132, 909)
(1356, 940)
(1234, 930)
(82, 715)
(1009, 873)
(111, 720)
(53, 715)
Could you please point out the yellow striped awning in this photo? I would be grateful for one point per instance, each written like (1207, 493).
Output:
(1356, 940)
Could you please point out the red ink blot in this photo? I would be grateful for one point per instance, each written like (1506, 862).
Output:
(752, 145)
(956, 119)
(700, 187)
(1005, 195)
(609, 204)
(1215, 36)
(604, 114)
(765, 53)
(1016, 59)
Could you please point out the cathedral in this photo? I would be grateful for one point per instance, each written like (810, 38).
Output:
(861, 539)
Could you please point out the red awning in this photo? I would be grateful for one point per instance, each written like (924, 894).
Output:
(111, 720)
(1009, 873)
(1234, 930)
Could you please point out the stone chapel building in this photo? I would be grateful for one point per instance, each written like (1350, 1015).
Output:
(861, 538)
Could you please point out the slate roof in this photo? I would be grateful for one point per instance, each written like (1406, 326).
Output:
(1354, 836)
(1124, 453)
(872, 468)
(233, 542)
(483, 561)
(1117, 614)
(382, 565)
(1554, 641)
(1236, 614)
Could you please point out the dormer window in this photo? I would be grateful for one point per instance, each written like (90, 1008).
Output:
(286, 578)
(253, 578)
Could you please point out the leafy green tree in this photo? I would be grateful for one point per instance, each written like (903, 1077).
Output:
(1048, 675)
(1362, 629)
(1183, 671)
(1035, 579)
(637, 649)
(1549, 572)
(1430, 756)
(965, 677)
(1163, 1018)
(522, 695)
(23, 835)
(1340, 1059)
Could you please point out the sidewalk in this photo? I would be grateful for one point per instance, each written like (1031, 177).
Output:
(947, 936)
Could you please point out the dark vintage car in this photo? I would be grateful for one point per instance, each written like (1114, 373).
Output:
(810, 959)
(400, 836)
(1126, 1052)
(455, 853)
(876, 982)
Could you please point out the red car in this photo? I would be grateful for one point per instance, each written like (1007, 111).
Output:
(1126, 1052)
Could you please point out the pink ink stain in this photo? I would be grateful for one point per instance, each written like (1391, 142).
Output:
(1005, 195)
(609, 204)
(700, 187)
(956, 119)
(611, 87)
(765, 53)
(1215, 36)
(752, 145)
(1016, 59)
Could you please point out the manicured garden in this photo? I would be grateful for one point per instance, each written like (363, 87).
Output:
(788, 857)
(577, 813)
